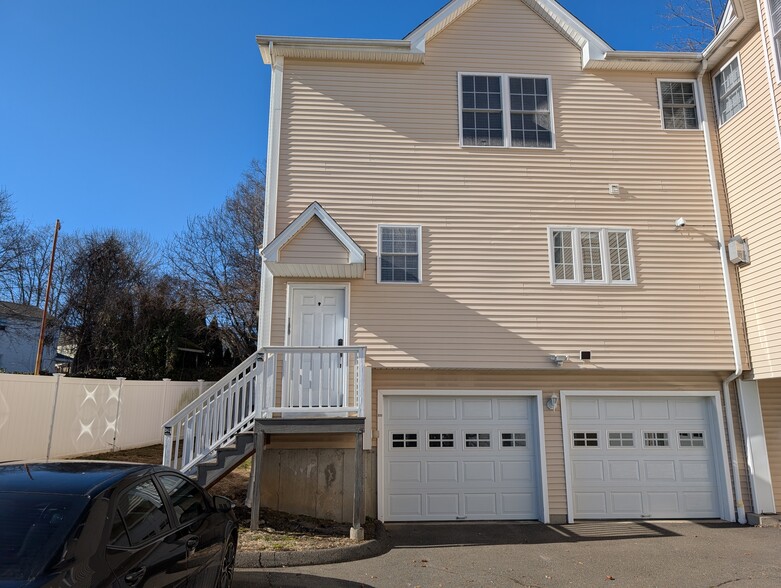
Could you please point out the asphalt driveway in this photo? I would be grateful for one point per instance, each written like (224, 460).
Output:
(614, 554)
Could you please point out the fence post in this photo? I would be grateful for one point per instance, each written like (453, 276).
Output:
(116, 418)
(201, 386)
(54, 414)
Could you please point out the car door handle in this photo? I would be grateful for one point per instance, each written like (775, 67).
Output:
(192, 543)
(134, 577)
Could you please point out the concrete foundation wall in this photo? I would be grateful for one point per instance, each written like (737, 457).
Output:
(316, 482)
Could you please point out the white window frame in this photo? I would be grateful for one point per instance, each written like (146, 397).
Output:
(697, 102)
(773, 48)
(742, 89)
(656, 439)
(419, 229)
(506, 119)
(691, 432)
(572, 434)
(604, 250)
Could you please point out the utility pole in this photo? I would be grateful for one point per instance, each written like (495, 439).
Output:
(46, 302)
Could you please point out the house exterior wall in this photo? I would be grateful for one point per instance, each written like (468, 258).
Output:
(19, 346)
(771, 56)
(752, 172)
(380, 144)
(314, 244)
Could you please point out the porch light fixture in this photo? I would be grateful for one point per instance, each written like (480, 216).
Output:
(553, 402)
(558, 359)
(680, 223)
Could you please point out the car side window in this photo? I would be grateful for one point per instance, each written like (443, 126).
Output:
(140, 515)
(186, 499)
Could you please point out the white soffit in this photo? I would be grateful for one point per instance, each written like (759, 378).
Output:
(356, 261)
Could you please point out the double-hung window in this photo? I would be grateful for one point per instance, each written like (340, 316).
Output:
(678, 101)
(398, 252)
(774, 10)
(500, 110)
(580, 255)
(728, 87)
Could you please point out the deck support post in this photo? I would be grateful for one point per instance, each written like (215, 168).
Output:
(359, 510)
(256, 469)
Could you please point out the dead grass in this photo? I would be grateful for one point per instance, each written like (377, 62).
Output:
(279, 531)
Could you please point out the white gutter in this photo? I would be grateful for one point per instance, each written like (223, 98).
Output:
(733, 326)
(769, 74)
(272, 181)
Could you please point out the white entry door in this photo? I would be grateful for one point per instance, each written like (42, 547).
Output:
(460, 458)
(317, 320)
(643, 457)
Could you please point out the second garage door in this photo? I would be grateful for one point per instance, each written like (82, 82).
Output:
(460, 458)
(648, 457)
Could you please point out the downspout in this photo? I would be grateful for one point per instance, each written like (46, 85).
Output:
(733, 327)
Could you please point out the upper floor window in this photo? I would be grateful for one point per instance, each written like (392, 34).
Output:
(729, 91)
(500, 110)
(399, 254)
(591, 256)
(774, 8)
(678, 101)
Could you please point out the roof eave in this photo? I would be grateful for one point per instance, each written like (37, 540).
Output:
(372, 50)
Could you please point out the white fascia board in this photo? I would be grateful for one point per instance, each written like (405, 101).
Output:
(271, 251)
(335, 48)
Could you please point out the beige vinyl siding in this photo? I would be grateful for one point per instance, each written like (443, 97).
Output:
(752, 171)
(770, 398)
(549, 383)
(380, 144)
(766, 30)
(314, 244)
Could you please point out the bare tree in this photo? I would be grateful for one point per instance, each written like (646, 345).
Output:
(11, 233)
(217, 260)
(693, 23)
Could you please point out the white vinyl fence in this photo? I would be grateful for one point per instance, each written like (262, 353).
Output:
(52, 417)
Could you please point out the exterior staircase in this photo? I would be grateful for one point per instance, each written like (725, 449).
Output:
(214, 433)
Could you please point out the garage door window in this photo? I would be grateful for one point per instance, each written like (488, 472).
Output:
(404, 440)
(691, 439)
(513, 439)
(585, 440)
(656, 439)
(621, 439)
(441, 440)
(477, 440)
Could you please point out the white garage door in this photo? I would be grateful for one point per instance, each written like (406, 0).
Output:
(454, 458)
(642, 458)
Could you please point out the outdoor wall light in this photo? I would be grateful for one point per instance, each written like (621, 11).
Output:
(680, 223)
(553, 402)
(558, 359)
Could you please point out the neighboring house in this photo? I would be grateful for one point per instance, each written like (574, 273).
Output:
(498, 251)
(20, 326)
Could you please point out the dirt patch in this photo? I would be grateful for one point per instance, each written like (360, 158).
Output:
(279, 531)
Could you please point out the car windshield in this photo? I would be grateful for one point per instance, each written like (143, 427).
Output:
(34, 529)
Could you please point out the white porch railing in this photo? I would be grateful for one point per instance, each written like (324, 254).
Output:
(313, 381)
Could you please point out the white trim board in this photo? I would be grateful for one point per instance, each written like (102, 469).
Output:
(717, 421)
(542, 461)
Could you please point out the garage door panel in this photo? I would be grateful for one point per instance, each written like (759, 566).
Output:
(657, 470)
(618, 409)
(448, 458)
(588, 470)
(624, 470)
(442, 504)
(638, 457)
(477, 409)
(405, 409)
(480, 504)
(479, 471)
(522, 505)
(591, 503)
(441, 409)
(517, 471)
(405, 471)
(442, 471)
(626, 503)
(406, 505)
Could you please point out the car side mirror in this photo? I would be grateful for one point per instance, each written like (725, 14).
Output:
(223, 504)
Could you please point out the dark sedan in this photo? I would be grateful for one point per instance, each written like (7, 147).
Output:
(89, 523)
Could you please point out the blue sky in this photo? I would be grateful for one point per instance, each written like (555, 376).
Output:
(139, 113)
